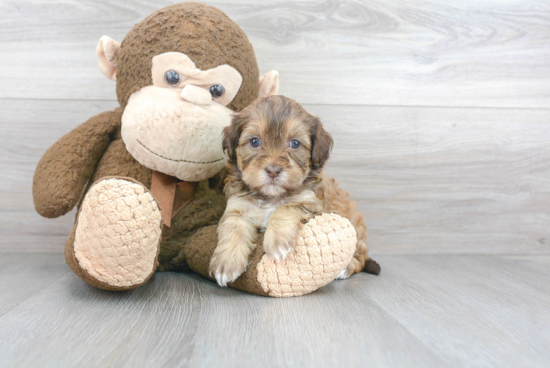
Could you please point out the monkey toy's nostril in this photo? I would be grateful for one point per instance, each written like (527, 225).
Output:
(273, 171)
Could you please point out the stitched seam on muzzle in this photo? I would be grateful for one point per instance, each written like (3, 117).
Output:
(171, 159)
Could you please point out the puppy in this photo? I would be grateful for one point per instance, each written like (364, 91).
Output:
(275, 184)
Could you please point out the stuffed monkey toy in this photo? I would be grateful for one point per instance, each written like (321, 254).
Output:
(148, 177)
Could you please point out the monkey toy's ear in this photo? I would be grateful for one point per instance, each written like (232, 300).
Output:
(269, 84)
(107, 51)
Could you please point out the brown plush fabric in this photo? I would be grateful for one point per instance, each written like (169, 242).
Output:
(205, 209)
(199, 250)
(117, 161)
(66, 166)
(203, 33)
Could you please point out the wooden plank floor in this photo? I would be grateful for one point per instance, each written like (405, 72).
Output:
(424, 311)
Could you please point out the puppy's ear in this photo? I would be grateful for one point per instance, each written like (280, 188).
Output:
(321, 144)
(231, 135)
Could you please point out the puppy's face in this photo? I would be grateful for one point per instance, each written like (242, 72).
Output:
(276, 144)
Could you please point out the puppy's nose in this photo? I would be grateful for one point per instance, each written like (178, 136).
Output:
(273, 171)
(196, 95)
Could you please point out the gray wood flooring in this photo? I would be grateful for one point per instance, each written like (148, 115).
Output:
(423, 311)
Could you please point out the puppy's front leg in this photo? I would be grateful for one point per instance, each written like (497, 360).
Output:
(282, 231)
(237, 233)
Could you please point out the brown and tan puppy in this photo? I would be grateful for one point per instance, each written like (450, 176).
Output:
(275, 184)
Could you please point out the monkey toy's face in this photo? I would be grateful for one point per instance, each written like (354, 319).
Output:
(180, 86)
(174, 126)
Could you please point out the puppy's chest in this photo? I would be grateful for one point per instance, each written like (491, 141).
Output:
(264, 210)
(265, 213)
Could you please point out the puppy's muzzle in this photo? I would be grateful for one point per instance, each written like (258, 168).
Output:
(273, 171)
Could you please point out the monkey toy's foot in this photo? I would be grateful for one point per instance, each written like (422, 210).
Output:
(325, 246)
(114, 244)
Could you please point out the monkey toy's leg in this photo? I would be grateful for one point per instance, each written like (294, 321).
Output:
(114, 244)
(324, 247)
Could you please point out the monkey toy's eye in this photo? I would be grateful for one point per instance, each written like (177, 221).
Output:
(255, 142)
(294, 144)
(172, 78)
(217, 90)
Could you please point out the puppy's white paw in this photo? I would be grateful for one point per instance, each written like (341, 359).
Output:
(277, 247)
(278, 254)
(226, 267)
(343, 275)
(223, 278)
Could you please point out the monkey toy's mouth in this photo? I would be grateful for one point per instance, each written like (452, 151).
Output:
(181, 160)
(165, 133)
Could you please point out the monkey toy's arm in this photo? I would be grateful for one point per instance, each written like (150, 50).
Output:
(67, 166)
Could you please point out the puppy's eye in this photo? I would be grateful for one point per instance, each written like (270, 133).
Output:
(255, 142)
(172, 78)
(217, 90)
(294, 144)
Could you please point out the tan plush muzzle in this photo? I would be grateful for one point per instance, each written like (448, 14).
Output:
(175, 136)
